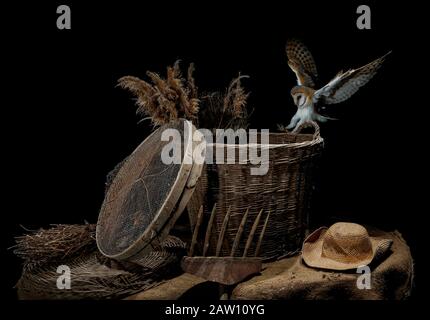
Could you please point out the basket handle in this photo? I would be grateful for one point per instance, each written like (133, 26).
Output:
(317, 133)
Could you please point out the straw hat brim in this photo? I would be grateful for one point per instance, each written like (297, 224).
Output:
(312, 252)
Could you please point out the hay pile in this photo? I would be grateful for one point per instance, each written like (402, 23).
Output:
(55, 244)
(93, 276)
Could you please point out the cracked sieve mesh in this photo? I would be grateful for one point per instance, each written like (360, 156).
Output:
(142, 194)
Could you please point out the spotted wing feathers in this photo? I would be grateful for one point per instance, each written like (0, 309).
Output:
(302, 63)
(345, 84)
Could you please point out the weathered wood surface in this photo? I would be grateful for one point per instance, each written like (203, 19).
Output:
(169, 290)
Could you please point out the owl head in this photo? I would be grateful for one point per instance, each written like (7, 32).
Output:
(301, 95)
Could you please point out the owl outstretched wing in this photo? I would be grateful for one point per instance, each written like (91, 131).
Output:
(302, 63)
(345, 84)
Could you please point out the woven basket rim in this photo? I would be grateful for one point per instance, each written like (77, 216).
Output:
(312, 141)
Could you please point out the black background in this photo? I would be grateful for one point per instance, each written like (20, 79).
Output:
(65, 125)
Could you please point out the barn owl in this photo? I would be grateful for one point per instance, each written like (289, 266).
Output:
(339, 89)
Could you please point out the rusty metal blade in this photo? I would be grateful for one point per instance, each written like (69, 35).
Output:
(260, 239)
(239, 233)
(196, 231)
(222, 232)
(209, 231)
(251, 234)
(224, 270)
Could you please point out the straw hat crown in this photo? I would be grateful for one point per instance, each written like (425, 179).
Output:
(343, 246)
(347, 242)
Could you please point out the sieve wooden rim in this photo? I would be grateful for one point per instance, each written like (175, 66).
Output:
(163, 220)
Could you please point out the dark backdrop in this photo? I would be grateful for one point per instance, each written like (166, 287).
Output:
(66, 125)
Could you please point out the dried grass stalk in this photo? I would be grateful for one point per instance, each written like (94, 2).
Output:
(236, 97)
(176, 96)
(226, 110)
(165, 100)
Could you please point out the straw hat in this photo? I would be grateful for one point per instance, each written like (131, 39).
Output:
(343, 246)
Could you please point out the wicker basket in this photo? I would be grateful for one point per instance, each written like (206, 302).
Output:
(285, 191)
